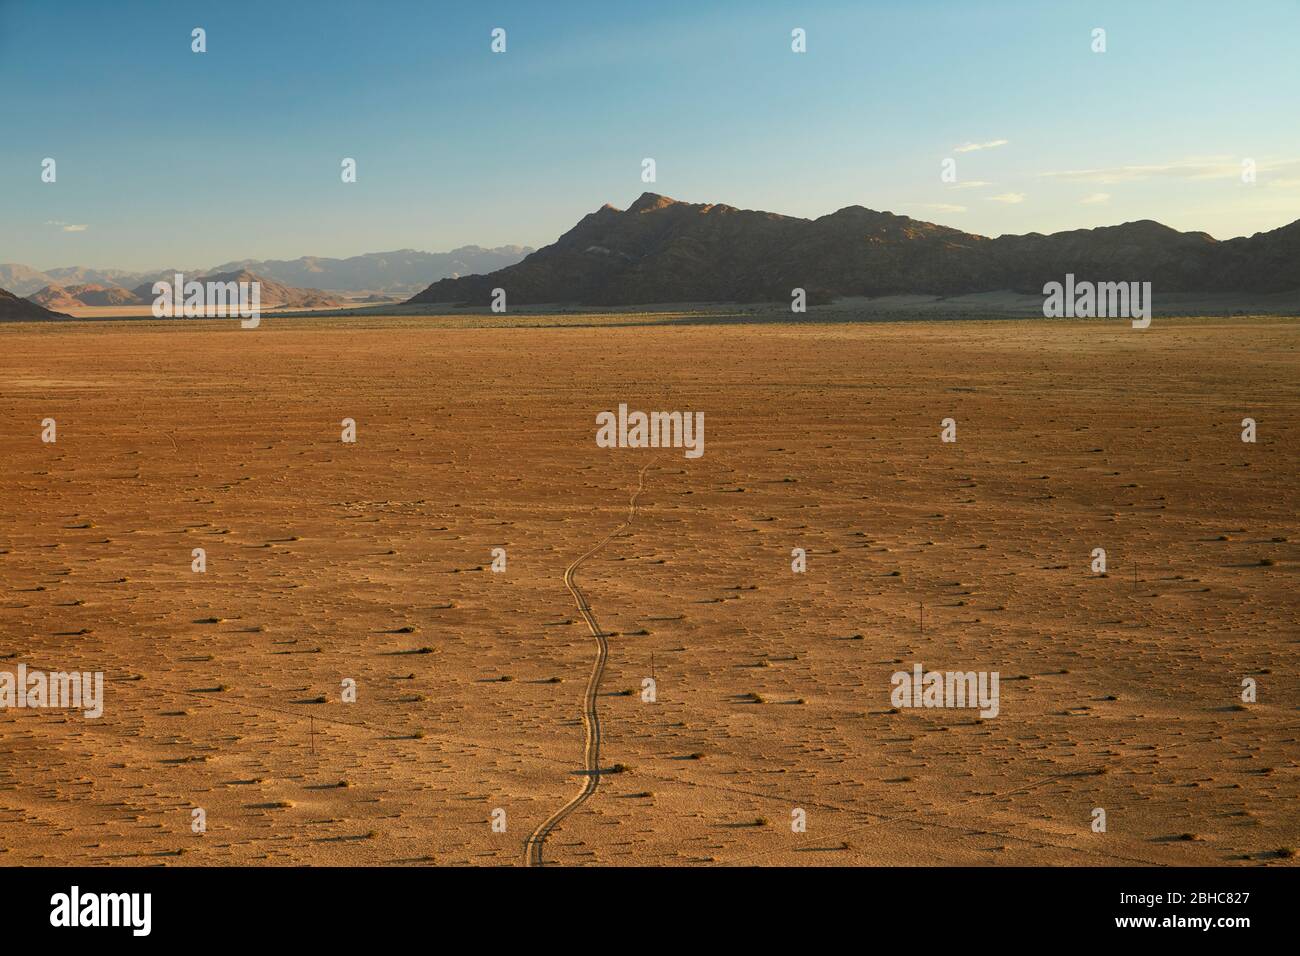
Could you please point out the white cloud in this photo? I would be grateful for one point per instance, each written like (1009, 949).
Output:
(1095, 199)
(67, 226)
(1007, 197)
(971, 147)
(972, 184)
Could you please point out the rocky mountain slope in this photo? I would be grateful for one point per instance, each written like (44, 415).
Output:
(13, 308)
(660, 250)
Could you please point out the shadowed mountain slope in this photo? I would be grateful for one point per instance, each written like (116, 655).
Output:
(661, 250)
(14, 308)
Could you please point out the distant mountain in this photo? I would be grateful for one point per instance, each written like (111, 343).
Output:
(78, 296)
(660, 250)
(23, 280)
(273, 295)
(55, 297)
(397, 273)
(78, 275)
(26, 281)
(94, 294)
(13, 308)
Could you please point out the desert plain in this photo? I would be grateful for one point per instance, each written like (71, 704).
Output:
(329, 561)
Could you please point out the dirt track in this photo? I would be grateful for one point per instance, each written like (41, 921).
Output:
(590, 718)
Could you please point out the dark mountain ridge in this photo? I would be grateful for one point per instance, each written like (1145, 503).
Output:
(15, 309)
(660, 250)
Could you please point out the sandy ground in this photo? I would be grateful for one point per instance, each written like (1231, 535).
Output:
(370, 561)
(145, 311)
(849, 308)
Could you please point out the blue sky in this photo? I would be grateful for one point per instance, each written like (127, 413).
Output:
(168, 158)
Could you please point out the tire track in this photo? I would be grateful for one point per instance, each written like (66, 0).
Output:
(590, 719)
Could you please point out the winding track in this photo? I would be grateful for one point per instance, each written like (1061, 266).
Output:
(590, 719)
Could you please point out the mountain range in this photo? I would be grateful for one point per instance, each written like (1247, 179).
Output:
(660, 250)
(77, 296)
(398, 273)
(273, 295)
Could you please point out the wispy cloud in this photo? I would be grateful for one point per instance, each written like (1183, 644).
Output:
(971, 147)
(1195, 168)
(1095, 199)
(67, 226)
(971, 184)
(1007, 198)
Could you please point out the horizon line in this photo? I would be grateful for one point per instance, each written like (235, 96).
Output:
(673, 200)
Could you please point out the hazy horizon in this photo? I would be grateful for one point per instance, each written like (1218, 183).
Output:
(169, 156)
(469, 245)
(188, 266)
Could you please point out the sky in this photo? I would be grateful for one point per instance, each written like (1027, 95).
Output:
(168, 158)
